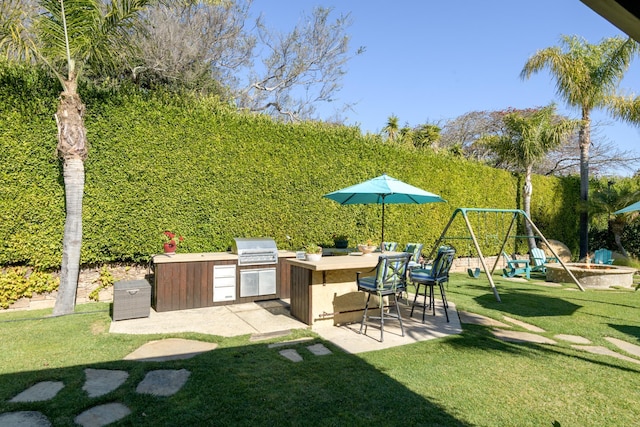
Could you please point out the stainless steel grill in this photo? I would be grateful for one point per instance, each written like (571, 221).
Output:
(255, 250)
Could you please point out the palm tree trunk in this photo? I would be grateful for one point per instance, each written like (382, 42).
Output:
(72, 147)
(584, 138)
(527, 190)
(73, 170)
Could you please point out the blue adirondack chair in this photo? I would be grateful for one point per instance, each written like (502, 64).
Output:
(515, 267)
(539, 259)
(602, 256)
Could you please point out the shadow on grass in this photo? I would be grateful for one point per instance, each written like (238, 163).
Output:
(524, 302)
(479, 337)
(633, 331)
(246, 385)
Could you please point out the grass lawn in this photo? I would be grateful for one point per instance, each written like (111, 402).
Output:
(471, 379)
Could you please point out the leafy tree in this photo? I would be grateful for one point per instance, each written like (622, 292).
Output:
(528, 137)
(194, 45)
(421, 136)
(69, 37)
(427, 135)
(587, 77)
(208, 46)
(465, 134)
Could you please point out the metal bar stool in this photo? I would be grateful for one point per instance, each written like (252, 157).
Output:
(428, 278)
(390, 278)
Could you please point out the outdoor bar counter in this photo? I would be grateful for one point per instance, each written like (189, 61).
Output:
(325, 291)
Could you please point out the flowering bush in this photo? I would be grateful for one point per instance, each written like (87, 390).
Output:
(170, 238)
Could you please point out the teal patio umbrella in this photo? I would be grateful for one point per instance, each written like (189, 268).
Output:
(383, 190)
(630, 208)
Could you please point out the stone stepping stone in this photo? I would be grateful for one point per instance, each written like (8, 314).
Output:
(319, 350)
(102, 415)
(163, 382)
(103, 381)
(24, 419)
(291, 354)
(572, 338)
(45, 390)
(527, 326)
(478, 319)
(514, 336)
(269, 335)
(170, 349)
(626, 346)
(287, 343)
(604, 351)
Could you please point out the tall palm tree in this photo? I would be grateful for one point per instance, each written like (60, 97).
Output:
(587, 77)
(392, 128)
(69, 37)
(527, 139)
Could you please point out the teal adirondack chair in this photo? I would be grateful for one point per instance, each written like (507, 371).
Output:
(602, 256)
(539, 259)
(515, 267)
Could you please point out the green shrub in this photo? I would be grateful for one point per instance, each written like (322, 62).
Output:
(158, 162)
(104, 281)
(18, 282)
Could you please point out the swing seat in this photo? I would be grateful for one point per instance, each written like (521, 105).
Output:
(473, 272)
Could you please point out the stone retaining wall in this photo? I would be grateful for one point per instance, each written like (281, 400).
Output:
(461, 265)
(87, 283)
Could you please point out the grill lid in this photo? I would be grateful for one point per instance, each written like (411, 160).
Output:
(255, 250)
(253, 244)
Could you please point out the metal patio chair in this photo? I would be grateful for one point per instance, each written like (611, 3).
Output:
(389, 280)
(429, 278)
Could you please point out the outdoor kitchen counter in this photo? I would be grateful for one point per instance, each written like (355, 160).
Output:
(325, 292)
(209, 256)
(189, 280)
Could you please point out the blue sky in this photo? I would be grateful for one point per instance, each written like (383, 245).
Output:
(428, 61)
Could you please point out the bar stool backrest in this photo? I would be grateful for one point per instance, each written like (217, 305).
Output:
(415, 249)
(389, 246)
(442, 263)
(391, 271)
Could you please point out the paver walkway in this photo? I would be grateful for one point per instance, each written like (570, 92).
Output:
(161, 382)
(579, 343)
(167, 382)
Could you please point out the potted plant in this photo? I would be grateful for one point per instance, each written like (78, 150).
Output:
(314, 252)
(340, 241)
(171, 242)
(367, 248)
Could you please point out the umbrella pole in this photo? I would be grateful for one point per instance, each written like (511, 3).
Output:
(382, 241)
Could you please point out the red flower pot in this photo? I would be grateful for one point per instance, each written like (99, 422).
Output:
(170, 247)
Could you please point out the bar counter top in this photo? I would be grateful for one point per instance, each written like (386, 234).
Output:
(344, 262)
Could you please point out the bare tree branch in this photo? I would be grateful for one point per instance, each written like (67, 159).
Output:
(299, 69)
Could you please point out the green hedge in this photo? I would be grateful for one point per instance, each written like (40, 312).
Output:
(197, 167)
